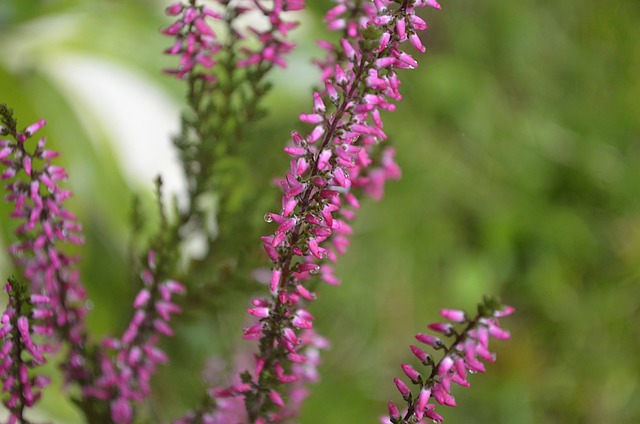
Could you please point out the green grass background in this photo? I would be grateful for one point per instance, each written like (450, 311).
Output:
(519, 139)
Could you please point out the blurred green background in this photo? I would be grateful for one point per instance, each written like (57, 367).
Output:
(519, 139)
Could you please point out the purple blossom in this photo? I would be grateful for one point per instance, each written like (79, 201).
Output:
(461, 356)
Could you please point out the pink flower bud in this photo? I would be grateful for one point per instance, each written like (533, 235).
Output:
(421, 404)
(275, 279)
(498, 333)
(175, 9)
(301, 323)
(402, 388)
(506, 311)
(276, 398)
(290, 336)
(410, 372)
(311, 118)
(253, 333)
(318, 104)
(433, 3)
(440, 327)
(141, 299)
(393, 411)
(429, 340)
(261, 312)
(4, 152)
(121, 411)
(416, 42)
(33, 128)
(445, 365)
(454, 315)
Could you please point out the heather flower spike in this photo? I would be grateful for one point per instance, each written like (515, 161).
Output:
(128, 363)
(469, 343)
(32, 183)
(21, 349)
(45, 226)
(225, 50)
(338, 160)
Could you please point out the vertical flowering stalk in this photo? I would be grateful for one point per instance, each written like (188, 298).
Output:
(45, 226)
(127, 364)
(469, 343)
(225, 76)
(19, 353)
(326, 167)
(118, 372)
(224, 63)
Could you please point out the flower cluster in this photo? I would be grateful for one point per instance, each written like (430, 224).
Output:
(327, 169)
(272, 41)
(46, 225)
(198, 44)
(126, 372)
(225, 50)
(19, 353)
(462, 355)
(118, 371)
(336, 161)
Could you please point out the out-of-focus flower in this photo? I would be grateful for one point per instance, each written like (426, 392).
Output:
(45, 226)
(128, 363)
(20, 354)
